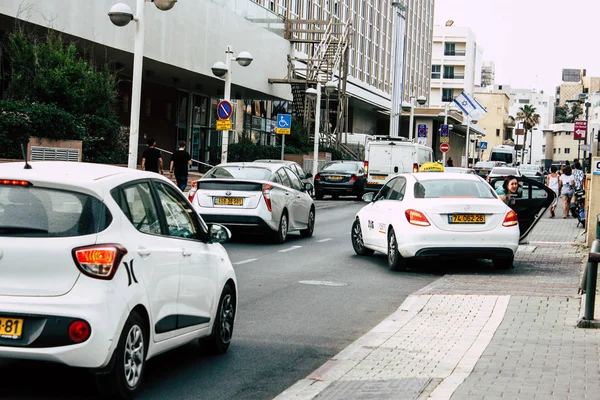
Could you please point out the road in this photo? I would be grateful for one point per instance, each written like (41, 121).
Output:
(300, 304)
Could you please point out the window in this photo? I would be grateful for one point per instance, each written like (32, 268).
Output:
(450, 49)
(140, 209)
(567, 150)
(543, 148)
(295, 181)
(181, 221)
(554, 151)
(434, 188)
(497, 132)
(436, 71)
(523, 101)
(393, 190)
(448, 72)
(447, 95)
(284, 178)
(559, 150)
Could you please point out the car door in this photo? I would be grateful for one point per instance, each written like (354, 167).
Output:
(301, 202)
(199, 266)
(286, 195)
(532, 200)
(388, 206)
(376, 215)
(152, 260)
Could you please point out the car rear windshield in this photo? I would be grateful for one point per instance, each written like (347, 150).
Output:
(438, 188)
(505, 157)
(504, 171)
(341, 167)
(485, 164)
(41, 212)
(239, 172)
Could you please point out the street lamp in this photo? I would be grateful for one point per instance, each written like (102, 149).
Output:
(223, 69)
(421, 100)
(120, 14)
(315, 94)
(399, 33)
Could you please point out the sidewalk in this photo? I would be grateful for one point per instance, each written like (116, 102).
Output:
(495, 335)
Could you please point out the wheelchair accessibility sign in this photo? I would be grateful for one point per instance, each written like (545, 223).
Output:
(284, 124)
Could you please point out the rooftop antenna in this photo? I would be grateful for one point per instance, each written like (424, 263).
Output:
(27, 166)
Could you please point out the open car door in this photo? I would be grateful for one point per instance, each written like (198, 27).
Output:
(532, 200)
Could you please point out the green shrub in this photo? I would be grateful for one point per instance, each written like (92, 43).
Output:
(249, 152)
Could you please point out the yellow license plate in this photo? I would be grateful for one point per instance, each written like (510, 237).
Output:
(10, 328)
(229, 201)
(466, 219)
(378, 177)
(335, 178)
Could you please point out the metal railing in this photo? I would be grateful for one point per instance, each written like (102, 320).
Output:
(455, 76)
(460, 53)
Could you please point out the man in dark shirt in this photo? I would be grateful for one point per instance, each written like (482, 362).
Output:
(152, 159)
(179, 164)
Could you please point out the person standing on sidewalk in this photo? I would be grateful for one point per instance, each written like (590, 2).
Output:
(552, 183)
(578, 175)
(567, 188)
(180, 160)
(152, 159)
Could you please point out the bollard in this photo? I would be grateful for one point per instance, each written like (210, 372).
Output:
(592, 276)
(598, 226)
(583, 284)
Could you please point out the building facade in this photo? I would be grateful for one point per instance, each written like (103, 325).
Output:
(488, 73)
(560, 145)
(456, 63)
(496, 122)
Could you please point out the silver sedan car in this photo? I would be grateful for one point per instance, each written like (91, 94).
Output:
(255, 197)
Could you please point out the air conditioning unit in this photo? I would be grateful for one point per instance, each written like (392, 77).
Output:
(41, 153)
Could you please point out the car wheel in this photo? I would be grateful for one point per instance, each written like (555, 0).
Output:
(395, 260)
(125, 376)
(281, 234)
(357, 240)
(503, 263)
(319, 195)
(220, 338)
(308, 232)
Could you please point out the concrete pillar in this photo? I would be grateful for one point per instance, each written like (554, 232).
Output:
(593, 206)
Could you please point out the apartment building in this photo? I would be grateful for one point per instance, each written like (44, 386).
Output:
(456, 63)
(560, 146)
(488, 73)
(497, 122)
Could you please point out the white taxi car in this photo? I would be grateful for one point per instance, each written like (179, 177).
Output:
(103, 267)
(446, 215)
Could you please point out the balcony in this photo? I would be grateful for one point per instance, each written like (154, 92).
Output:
(457, 53)
(455, 76)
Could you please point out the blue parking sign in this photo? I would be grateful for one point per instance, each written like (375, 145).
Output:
(284, 124)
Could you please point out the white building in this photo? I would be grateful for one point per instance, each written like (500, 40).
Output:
(456, 63)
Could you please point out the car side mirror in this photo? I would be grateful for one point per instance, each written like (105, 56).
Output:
(308, 175)
(308, 186)
(218, 233)
(368, 197)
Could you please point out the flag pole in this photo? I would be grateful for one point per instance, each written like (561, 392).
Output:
(467, 142)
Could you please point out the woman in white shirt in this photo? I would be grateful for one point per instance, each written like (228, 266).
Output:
(567, 188)
(552, 182)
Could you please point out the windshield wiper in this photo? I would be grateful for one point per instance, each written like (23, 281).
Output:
(20, 229)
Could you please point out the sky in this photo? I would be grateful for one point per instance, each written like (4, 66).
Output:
(530, 41)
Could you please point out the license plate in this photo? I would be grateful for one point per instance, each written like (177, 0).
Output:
(229, 201)
(378, 177)
(335, 178)
(10, 328)
(484, 171)
(466, 219)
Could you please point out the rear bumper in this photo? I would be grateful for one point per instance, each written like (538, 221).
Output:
(466, 252)
(343, 188)
(239, 223)
(371, 187)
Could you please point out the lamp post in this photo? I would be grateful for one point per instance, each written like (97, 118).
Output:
(223, 69)
(421, 100)
(120, 15)
(399, 33)
(313, 93)
(450, 127)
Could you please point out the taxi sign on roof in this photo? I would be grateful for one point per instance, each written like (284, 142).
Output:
(432, 167)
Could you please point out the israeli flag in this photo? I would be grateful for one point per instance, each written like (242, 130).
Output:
(470, 106)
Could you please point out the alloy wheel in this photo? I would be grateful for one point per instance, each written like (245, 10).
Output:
(226, 318)
(134, 356)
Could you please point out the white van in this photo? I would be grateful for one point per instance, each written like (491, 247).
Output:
(504, 153)
(386, 157)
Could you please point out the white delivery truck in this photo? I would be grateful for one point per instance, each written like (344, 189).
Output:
(504, 153)
(386, 157)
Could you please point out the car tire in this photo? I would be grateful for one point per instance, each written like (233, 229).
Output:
(395, 260)
(319, 195)
(308, 232)
(122, 381)
(220, 338)
(280, 235)
(504, 262)
(358, 242)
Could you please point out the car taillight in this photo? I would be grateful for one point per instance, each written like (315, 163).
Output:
(353, 178)
(99, 261)
(366, 169)
(193, 191)
(317, 177)
(510, 219)
(415, 167)
(14, 182)
(266, 190)
(79, 331)
(415, 217)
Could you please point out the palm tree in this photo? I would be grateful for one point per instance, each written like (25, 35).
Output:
(530, 119)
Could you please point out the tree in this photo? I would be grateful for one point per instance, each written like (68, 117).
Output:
(530, 119)
(561, 114)
(576, 111)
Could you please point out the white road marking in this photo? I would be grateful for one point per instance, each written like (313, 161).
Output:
(289, 249)
(245, 261)
(324, 240)
(323, 283)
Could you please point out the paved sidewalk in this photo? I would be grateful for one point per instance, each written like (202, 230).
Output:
(478, 335)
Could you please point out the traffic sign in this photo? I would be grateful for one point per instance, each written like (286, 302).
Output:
(580, 130)
(224, 109)
(422, 130)
(483, 145)
(224, 125)
(284, 124)
(444, 147)
(444, 134)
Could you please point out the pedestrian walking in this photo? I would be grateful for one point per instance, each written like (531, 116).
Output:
(552, 182)
(578, 175)
(508, 189)
(180, 160)
(567, 188)
(152, 159)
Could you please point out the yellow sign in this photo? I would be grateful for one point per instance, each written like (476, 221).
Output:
(224, 124)
(432, 167)
(282, 131)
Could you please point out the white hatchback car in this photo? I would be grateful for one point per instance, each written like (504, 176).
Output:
(255, 197)
(103, 267)
(446, 215)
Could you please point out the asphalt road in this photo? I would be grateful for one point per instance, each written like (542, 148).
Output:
(300, 304)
